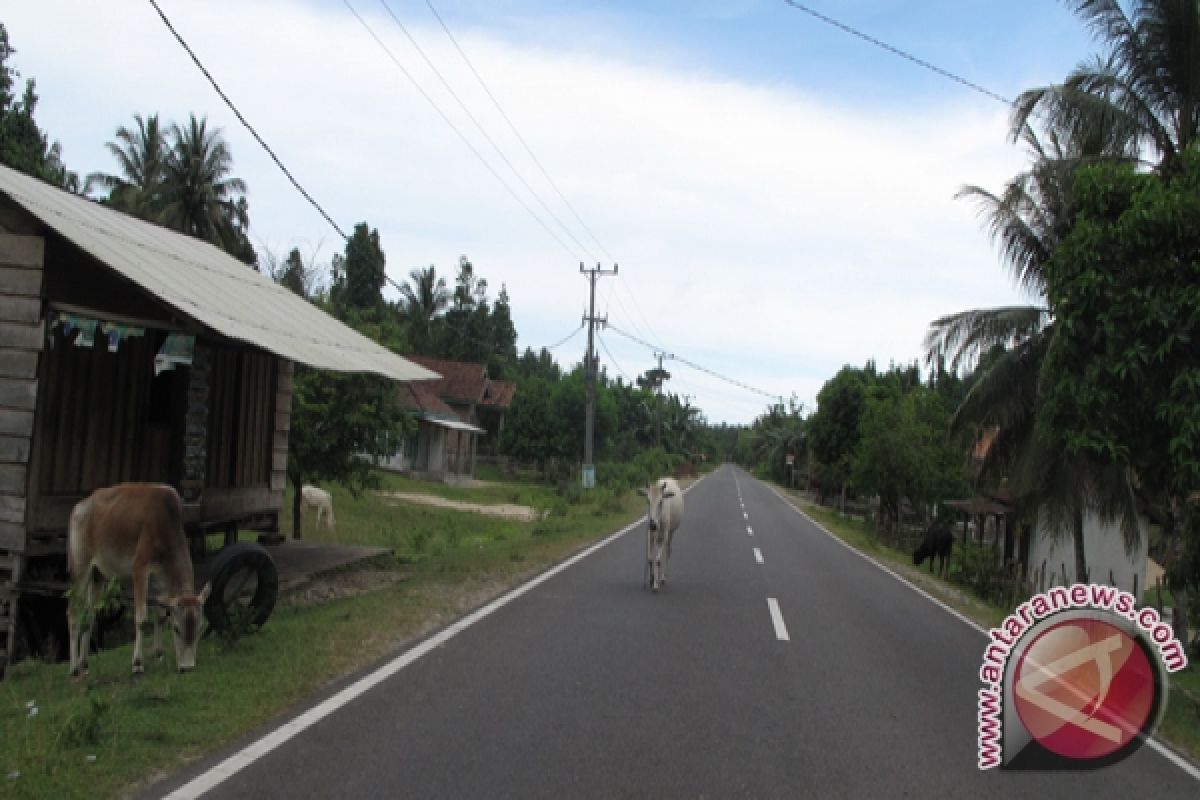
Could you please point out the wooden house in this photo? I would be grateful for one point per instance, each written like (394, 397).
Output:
(129, 352)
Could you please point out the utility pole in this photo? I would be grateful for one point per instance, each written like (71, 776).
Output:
(593, 274)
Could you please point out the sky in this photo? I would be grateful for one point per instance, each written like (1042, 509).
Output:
(779, 195)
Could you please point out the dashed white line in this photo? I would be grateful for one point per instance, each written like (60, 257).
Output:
(745, 515)
(758, 555)
(781, 632)
(749, 531)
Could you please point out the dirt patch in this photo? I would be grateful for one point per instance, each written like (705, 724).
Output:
(338, 584)
(504, 510)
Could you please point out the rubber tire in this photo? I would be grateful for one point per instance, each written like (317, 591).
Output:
(228, 562)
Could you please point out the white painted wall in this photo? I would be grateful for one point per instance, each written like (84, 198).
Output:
(1104, 548)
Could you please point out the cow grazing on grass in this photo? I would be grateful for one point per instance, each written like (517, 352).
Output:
(938, 543)
(133, 530)
(322, 501)
(665, 513)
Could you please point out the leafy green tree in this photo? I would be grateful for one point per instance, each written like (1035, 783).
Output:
(337, 419)
(359, 275)
(1122, 377)
(781, 432)
(833, 430)
(23, 145)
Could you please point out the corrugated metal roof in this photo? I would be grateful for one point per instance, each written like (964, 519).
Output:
(207, 284)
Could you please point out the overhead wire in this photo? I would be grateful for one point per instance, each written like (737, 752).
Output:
(695, 366)
(512, 126)
(609, 291)
(896, 51)
(445, 118)
(479, 127)
(245, 123)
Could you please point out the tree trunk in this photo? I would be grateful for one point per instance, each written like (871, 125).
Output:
(1081, 571)
(297, 498)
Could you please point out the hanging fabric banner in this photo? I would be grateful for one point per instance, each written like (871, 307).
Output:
(177, 349)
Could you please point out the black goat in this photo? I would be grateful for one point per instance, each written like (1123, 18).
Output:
(938, 543)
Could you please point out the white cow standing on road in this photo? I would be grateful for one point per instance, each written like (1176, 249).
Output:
(665, 513)
(322, 501)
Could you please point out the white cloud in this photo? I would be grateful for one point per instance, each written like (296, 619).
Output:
(761, 232)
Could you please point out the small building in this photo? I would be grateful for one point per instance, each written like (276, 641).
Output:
(129, 352)
(451, 415)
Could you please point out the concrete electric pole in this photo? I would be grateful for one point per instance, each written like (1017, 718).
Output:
(589, 467)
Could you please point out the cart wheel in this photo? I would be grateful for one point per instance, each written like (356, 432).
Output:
(245, 584)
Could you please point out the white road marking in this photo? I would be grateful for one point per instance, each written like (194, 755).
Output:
(745, 515)
(777, 620)
(749, 530)
(214, 776)
(758, 555)
(1155, 745)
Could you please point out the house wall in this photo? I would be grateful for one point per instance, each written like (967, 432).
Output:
(1104, 549)
(21, 342)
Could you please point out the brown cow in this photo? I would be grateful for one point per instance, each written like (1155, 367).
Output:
(133, 530)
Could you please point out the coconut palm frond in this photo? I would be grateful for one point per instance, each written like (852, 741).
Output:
(964, 336)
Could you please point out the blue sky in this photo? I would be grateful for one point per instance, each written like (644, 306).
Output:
(779, 194)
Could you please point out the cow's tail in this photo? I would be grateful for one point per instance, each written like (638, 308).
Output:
(80, 515)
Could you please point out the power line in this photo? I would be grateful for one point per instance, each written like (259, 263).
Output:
(480, 128)
(696, 366)
(896, 51)
(248, 126)
(565, 339)
(417, 85)
(608, 353)
(517, 133)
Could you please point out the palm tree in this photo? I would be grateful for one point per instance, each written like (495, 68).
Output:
(1028, 220)
(426, 296)
(422, 298)
(140, 155)
(1145, 89)
(199, 197)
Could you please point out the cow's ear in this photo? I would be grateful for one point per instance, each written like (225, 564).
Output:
(643, 492)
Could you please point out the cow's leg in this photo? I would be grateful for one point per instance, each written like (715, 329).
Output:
(141, 580)
(80, 617)
(157, 614)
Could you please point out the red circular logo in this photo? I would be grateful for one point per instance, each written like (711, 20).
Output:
(1084, 689)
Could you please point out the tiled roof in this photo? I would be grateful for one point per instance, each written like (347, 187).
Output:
(500, 394)
(422, 396)
(461, 381)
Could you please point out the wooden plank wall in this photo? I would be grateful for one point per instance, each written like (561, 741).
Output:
(242, 420)
(22, 333)
(283, 423)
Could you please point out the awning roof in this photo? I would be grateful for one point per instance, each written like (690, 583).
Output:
(203, 282)
(453, 424)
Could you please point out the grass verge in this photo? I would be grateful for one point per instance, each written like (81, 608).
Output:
(1180, 727)
(112, 734)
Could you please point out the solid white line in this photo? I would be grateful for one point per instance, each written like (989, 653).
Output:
(758, 555)
(1191, 769)
(777, 620)
(206, 781)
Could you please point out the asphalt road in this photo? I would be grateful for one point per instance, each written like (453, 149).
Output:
(589, 685)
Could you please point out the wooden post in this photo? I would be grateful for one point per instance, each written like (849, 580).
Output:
(22, 337)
